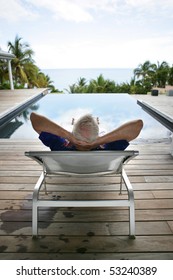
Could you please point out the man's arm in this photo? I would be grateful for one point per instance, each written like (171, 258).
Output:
(128, 131)
(41, 123)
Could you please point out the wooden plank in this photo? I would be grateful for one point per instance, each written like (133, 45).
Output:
(88, 215)
(160, 178)
(28, 166)
(163, 194)
(89, 244)
(84, 195)
(85, 229)
(87, 256)
(70, 180)
(170, 223)
(153, 166)
(36, 173)
(154, 204)
(153, 186)
(101, 180)
(139, 204)
(81, 188)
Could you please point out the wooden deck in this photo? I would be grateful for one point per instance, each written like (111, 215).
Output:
(161, 103)
(159, 107)
(13, 102)
(75, 233)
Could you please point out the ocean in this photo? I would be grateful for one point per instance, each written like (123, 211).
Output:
(62, 78)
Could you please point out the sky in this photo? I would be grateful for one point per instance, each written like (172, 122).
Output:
(90, 33)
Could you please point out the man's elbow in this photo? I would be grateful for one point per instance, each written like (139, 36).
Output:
(32, 116)
(35, 122)
(139, 125)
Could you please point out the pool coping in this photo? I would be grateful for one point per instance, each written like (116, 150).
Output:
(11, 113)
(163, 118)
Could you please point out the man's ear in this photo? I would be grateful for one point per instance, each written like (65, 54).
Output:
(72, 121)
(98, 121)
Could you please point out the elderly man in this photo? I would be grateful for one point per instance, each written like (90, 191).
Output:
(85, 134)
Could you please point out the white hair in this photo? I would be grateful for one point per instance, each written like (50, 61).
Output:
(86, 129)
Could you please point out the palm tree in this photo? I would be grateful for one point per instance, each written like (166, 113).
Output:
(31, 71)
(99, 85)
(79, 87)
(170, 76)
(72, 88)
(144, 70)
(82, 82)
(161, 73)
(3, 73)
(23, 55)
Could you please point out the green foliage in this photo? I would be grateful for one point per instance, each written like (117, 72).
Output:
(98, 85)
(27, 74)
(146, 76)
(170, 76)
(5, 85)
(24, 71)
(153, 75)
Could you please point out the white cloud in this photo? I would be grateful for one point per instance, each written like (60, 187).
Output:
(86, 54)
(76, 10)
(144, 3)
(64, 9)
(123, 33)
(81, 11)
(151, 8)
(13, 10)
(96, 5)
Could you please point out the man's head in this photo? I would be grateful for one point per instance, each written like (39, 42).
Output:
(86, 128)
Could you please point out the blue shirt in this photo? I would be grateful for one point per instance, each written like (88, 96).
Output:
(57, 143)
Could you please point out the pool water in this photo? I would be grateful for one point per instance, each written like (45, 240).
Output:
(111, 109)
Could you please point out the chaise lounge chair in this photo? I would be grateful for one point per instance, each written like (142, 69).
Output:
(82, 164)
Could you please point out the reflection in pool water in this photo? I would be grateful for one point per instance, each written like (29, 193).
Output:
(112, 110)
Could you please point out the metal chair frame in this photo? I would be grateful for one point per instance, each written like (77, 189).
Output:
(43, 158)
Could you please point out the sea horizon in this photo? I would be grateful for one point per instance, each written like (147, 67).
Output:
(64, 77)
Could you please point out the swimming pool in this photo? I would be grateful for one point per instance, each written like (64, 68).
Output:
(111, 109)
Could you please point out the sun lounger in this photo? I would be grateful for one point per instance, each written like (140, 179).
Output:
(82, 164)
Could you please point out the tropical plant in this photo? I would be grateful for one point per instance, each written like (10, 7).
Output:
(3, 72)
(98, 85)
(25, 72)
(144, 70)
(23, 55)
(152, 75)
(170, 76)
(81, 86)
(140, 87)
(31, 71)
(72, 88)
(161, 74)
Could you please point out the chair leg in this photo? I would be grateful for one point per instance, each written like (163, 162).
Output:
(131, 205)
(132, 220)
(34, 220)
(35, 205)
(45, 187)
(121, 183)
